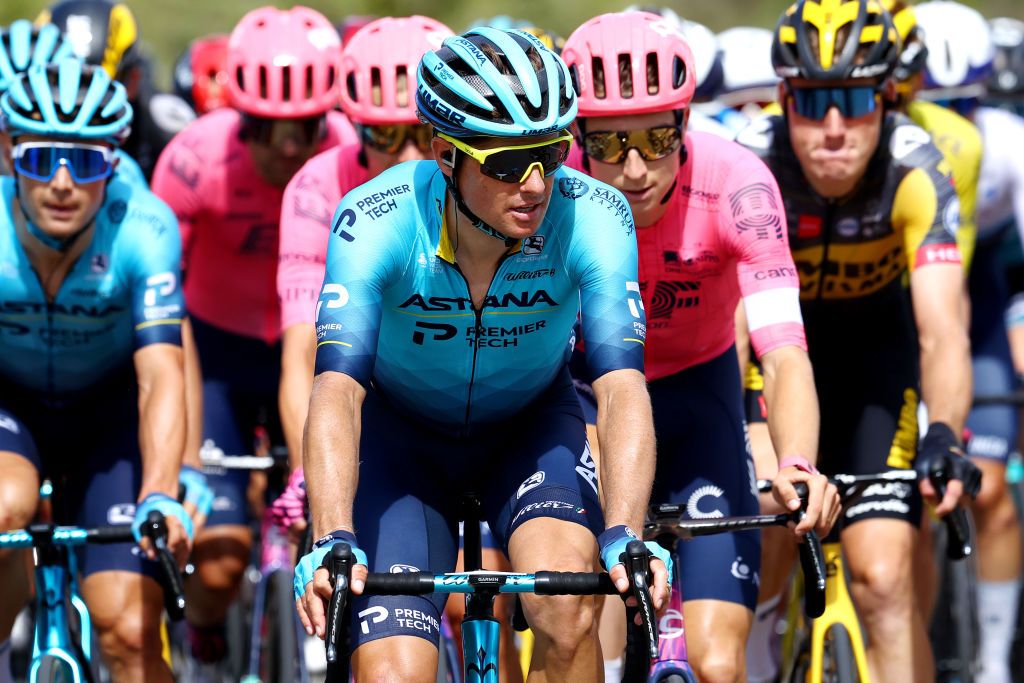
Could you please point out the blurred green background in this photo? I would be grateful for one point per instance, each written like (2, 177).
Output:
(167, 26)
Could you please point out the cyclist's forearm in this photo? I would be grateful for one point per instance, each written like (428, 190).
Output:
(625, 430)
(789, 393)
(298, 353)
(193, 397)
(330, 454)
(161, 418)
(946, 376)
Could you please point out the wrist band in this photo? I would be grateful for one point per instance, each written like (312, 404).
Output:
(799, 462)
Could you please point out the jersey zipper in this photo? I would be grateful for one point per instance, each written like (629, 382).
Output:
(478, 323)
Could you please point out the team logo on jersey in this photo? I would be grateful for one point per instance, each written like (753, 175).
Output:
(117, 210)
(951, 216)
(848, 227)
(572, 188)
(99, 263)
(348, 219)
(533, 245)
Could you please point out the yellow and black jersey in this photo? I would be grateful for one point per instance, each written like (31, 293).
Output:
(959, 140)
(905, 213)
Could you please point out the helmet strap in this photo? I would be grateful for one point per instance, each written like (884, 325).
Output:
(460, 204)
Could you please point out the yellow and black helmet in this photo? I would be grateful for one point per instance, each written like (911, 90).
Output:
(913, 50)
(101, 32)
(829, 40)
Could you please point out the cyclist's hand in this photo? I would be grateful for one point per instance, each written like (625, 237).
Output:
(823, 504)
(179, 526)
(312, 584)
(940, 451)
(198, 496)
(613, 544)
(288, 512)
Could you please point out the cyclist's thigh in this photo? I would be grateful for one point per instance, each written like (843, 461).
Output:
(543, 468)
(240, 376)
(704, 463)
(406, 517)
(19, 472)
(127, 605)
(869, 425)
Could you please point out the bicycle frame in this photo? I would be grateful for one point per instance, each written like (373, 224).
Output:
(52, 636)
(839, 609)
(672, 658)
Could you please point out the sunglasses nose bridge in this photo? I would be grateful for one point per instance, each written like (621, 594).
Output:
(535, 166)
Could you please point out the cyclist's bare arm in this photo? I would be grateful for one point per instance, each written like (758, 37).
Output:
(298, 356)
(193, 397)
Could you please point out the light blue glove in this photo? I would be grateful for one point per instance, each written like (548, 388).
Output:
(163, 504)
(312, 561)
(613, 544)
(197, 489)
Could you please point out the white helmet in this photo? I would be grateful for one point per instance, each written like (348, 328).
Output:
(707, 58)
(1007, 79)
(748, 75)
(960, 50)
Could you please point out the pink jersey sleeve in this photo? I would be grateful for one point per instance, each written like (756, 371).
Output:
(752, 221)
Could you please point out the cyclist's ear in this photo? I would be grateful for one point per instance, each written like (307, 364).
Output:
(444, 154)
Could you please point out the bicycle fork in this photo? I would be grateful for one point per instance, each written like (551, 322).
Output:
(839, 610)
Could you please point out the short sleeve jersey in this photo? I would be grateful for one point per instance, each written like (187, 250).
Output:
(395, 310)
(229, 219)
(722, 238)
(121, 294)
(1001, 188)
(309, 202)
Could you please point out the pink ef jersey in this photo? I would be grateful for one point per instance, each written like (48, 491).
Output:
(309, 203)
(723, 236)
(229, 222)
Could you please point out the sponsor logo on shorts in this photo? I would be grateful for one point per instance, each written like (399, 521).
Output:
(693, 504)
(10, 424)
(742, 571)
(587, 467)
(122, 513)
(416, 620)
(545, 505)
(895, 506)
(532, 482)
(370, 616)
(403, 569)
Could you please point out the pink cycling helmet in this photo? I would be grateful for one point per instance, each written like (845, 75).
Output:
(632, 41)
(284, 63)
(380, 56)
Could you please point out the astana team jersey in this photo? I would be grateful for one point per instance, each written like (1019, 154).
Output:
(229, 220)
(309, 202)
(120, 295)
(723, 237)
(395, 310)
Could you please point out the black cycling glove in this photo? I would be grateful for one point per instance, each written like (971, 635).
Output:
(939, 455)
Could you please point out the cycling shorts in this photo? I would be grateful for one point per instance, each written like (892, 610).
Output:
(88, 446)
(869, 425)
(704, 461)
(993, 428)
(412, 479)
(240, 380)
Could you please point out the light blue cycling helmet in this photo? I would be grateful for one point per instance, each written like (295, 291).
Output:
(502, 83)
(22, 45)
(68, 99)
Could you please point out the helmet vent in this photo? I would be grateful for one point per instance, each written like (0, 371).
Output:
(286, 83)
(240, 77)
(597, 66)
(402, 85)
(625, 76)
(332, 74)
(376, 92)
(653, 84)
(264, 90)
(678, 72)
(309, 82)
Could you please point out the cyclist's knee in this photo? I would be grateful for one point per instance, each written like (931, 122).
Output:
(391, 660)
(882, 586)
(19, 492)
(721, 663)
(129, 632)
(995, 513)
(563, 622)
(993, 487)
(220, 557)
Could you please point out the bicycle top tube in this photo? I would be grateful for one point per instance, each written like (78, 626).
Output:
(48, 534)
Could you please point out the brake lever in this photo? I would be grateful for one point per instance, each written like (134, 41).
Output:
(637, 563)
(339, 563)
(155, 529)
(958, 529)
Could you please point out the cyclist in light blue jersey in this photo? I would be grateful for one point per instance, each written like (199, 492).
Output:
(21, 45)
(91, 379)
(444, 329)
